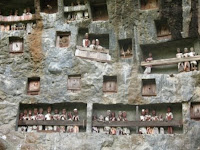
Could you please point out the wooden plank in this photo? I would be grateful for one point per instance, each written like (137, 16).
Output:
(138, 123)
(169, 61)
(92, 55)
(74, 8)
(92, 50)
(51, 122)
(19, 20)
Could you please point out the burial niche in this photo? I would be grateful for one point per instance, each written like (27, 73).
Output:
(113, 119)
(33, 86)
(163, 30)
(99, 10)
(148, 87)
(74, 83)
(160, 118)
(125, 48)
(76, 10)
(57, 117)
(16, 45)
(49, 6)
(63, 39)
(195, 111)
(148, 4)
(110, 84)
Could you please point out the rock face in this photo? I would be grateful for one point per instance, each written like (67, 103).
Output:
(41, 58)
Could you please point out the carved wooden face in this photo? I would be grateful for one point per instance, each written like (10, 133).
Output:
(16, 47)
(34, 85)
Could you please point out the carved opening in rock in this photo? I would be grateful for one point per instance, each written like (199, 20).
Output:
(33, 86)
(148, 4)
(77, 10)
(161, 112)
(99, 10)
(49, 6)
(125, 46)
(195, 111)
(63, 39)
(16, 16)
(16, 45)
(163, 30)
(165, 54)
(103, 39)
(39, 120)
(74, 83)
(116, 118)
(8, 7)
(110, 84)
(148, 87)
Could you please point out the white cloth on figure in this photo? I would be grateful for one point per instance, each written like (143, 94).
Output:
(147, 70)
(192, 54)
(170, 114)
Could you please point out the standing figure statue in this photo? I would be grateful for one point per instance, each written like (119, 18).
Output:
(148, 68)
(124, 116)
(193, 63)
(48, 116)
(30, 128)
(40, 116)
(86, 41)
(79, 15)
(75, 116)
(154, 117)
(56, 116)
(148, 118)
(63, 116)
(143, 130)
(34, 117)
(119, 118)
(113, 118)
(180, 64)
(186, 63)
(169, 117)
(98, 46)
(108, 116)
(93, 45)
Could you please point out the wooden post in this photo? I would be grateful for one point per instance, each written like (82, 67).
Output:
(89, 117)
(17, 120)
(137, 118)
(37, 7)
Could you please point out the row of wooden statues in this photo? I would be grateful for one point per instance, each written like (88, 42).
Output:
(77, 15)
(126, 52)
(110, 116)
(182, 66)
(39, 115)
(18, 26)
(145, 116)
(15, 17)
(94, 45)
(187, 65)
